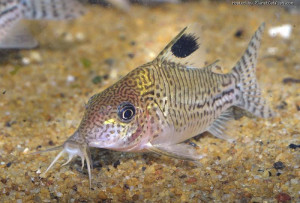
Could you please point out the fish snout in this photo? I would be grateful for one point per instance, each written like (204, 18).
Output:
(73, 147)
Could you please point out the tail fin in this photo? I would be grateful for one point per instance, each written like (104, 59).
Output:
(245, 73)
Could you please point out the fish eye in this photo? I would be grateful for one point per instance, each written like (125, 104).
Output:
(126, 111)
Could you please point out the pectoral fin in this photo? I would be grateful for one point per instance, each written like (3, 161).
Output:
(218, 127)
(178, 151)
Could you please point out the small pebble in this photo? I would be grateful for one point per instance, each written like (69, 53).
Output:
(8, 124)
(266, 174)
(294, 181)
(290, 80)
(102, 195)
(294, 146)
(37, 198)
(86, 62)
(256, 199)
(75, 188)
(135, 197)
(59, 194)
(4, 181)
(116, 164)
(152, 54)
(191, 180)
(69, 37)
(283, 31)
(80, 36)
(278, 165)
(131, 55)
(97, 79)
(113, 74)
(35, 56)
(126, 186)
(283, 197)
(109, 61)
(25, 150)
(239, 33)
(70, 78)
(105, 77)
(26, 61)
(272, 50)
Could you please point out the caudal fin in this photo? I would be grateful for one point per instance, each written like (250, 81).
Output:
(244, 71)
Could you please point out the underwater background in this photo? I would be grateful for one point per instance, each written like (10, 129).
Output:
(43, 92)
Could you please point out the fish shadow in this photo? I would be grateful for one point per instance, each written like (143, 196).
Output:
(104, 159)
(8, 56)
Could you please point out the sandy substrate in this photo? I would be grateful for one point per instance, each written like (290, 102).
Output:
(43, 93)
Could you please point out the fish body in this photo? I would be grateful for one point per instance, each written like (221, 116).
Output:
(159, 105)
(13, 32)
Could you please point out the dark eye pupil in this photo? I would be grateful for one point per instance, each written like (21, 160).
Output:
(127, 114)
(126, 111)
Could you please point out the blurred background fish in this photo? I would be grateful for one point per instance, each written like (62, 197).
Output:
(125, 5)
(13, 32)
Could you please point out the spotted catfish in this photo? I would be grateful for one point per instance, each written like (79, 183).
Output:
(159, 105)
(14, 33)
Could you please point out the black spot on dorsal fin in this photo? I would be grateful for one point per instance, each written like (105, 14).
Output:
(185, 46)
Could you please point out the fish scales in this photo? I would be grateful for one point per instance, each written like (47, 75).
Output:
(161, 104)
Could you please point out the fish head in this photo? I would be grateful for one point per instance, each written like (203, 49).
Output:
(112, 119)
(119, 118)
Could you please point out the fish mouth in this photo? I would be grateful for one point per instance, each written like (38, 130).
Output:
(73, 149)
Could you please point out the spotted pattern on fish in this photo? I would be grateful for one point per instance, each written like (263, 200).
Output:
(195, 100)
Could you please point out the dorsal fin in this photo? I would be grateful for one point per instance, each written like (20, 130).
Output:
(186, 48)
